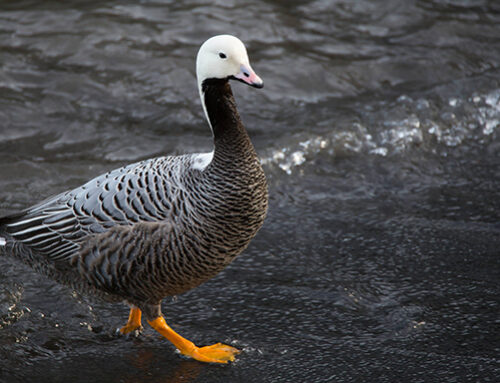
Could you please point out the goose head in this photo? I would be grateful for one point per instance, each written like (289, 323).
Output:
(225, 57)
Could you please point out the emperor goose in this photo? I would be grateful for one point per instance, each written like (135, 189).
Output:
(162, 226)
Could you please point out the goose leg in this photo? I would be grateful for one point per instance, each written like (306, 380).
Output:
(216, 353)
(134, 321)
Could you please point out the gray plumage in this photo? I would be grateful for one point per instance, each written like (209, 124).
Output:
(151, 229)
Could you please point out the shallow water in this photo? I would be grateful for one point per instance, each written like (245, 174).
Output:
(379, 131)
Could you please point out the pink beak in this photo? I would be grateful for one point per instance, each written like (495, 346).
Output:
(248, 76)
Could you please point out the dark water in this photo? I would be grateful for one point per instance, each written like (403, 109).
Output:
(379, 131)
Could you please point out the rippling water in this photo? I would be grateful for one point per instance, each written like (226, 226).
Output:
(379, 131)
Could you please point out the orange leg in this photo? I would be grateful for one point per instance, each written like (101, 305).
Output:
(216, 353)
(134, 321)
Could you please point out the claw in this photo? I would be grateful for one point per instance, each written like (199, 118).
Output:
(129, 331)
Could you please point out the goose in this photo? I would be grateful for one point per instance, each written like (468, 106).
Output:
(162, 226)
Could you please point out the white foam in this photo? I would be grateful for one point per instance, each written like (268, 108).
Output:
(394, 128)
(490, 126)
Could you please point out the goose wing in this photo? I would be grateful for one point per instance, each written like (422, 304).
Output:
(142, 192)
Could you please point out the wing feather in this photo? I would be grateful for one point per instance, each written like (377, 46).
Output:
(141, 192)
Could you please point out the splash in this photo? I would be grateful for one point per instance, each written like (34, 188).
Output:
(10, 310)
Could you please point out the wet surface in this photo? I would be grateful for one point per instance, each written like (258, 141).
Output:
(379, 131)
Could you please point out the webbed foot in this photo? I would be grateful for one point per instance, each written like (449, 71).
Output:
(134, 321)
(216, 353)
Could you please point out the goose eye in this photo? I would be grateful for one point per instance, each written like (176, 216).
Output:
(222, 55)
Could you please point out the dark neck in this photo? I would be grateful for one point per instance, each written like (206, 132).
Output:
(230, 136)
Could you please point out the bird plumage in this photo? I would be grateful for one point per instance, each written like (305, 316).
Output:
(79, 226)
(157, 227)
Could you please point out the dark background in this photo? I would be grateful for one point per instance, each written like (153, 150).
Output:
(378, 128)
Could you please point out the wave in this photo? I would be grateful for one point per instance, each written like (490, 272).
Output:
(386, 129)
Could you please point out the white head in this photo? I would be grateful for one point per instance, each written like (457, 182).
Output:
(225, 56)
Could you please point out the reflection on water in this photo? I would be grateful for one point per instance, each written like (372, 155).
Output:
(378, 130)
(145, 361)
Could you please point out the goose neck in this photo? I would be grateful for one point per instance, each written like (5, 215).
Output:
(230, 136)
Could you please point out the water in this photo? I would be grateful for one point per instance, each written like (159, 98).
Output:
(379, 131)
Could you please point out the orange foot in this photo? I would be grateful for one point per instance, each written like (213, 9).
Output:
(134, 321)
(216, 353)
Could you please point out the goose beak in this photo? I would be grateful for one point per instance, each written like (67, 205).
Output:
(248, 76)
